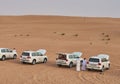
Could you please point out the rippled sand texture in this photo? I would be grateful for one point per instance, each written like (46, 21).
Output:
(91, 36)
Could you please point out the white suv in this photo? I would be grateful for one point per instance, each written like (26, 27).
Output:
(7, 53)
(99, 62)
(68, 59)
(34, 56)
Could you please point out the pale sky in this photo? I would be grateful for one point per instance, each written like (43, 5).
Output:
(94, 8)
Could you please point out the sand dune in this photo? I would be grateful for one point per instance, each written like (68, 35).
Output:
(59, 34)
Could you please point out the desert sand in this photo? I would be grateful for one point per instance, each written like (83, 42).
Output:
(91, 36)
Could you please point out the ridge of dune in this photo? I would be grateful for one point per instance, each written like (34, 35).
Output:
(57, 19)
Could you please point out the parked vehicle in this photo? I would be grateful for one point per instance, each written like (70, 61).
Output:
(99, 62)
(34, 57)
(7, 53)
(68, 59)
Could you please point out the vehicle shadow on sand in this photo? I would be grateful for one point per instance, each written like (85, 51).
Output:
(50, 64)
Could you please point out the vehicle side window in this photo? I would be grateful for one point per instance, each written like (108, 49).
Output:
(71, 56)
(34, 54)
(3, 50)
(75, 56)
(8, 50)
(39, 54)
(104, 60)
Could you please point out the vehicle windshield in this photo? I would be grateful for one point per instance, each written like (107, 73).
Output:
(25, 54)
(94, 60)
(62, 56)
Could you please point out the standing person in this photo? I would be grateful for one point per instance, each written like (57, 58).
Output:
(78, 64)
(84, 63)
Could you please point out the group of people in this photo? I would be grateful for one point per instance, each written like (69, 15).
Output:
(81, 65)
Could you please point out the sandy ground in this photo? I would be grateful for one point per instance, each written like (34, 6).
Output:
(91, 36)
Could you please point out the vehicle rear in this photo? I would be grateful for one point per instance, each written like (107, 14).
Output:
(62, 60)
(94, 63)
(26, 57)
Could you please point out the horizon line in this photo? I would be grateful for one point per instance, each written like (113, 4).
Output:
(12, 15)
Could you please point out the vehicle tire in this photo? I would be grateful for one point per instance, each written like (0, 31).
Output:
(89, 69)
(24, 62)
(108, 67)
(15, 56)
(45, 60)
(3, 58)
(33, 62)
(59, 65)
(102, 70)
(71, 65)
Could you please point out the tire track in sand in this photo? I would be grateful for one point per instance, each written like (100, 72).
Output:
(89, 77)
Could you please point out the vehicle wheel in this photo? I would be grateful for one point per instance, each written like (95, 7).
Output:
(3, 58)
(71, 65)
(33, 62)
(24, 62)
(108, 67)
(15, 56)
(59, 65)
(102, 69)
(89, 69)
(45, 60)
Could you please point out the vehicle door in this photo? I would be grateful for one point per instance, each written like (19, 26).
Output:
(10, 52)
(34, 56)
(75, 59)
(40, 57)
(71, 58)
(4, 52)
(7, 53)
(62, 58)
(25, 55)
(104, 62)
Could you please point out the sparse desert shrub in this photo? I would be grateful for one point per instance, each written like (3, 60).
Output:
(108, 39)
(75, 35)
(63, 34)
(106, 35)
(27, 35)
(21, 35)
(15, 35)
(91, 43)
(103, 33)
(54, 32)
